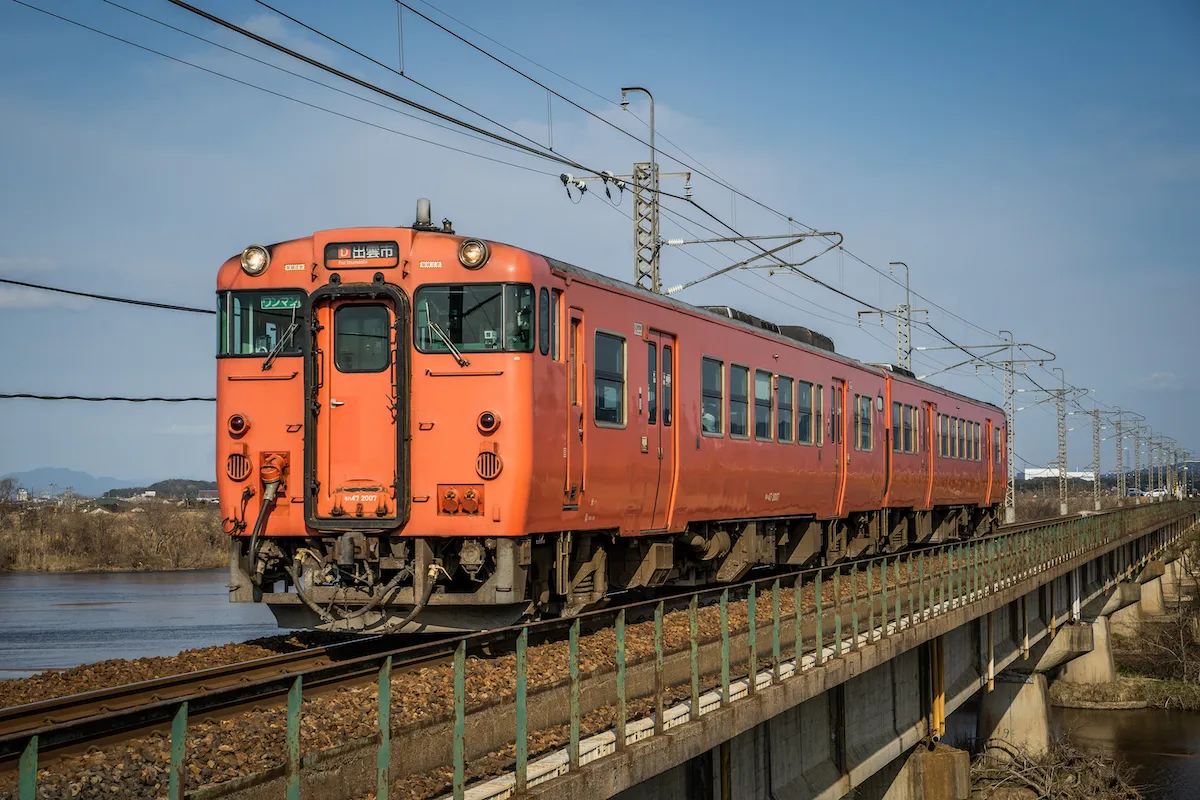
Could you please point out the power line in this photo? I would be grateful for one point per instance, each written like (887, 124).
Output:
(109, 298)
(23, 396)
(284, 96)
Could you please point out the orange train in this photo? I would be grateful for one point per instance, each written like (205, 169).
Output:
(421, 431)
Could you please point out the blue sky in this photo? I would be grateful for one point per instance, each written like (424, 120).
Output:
(1037, 166)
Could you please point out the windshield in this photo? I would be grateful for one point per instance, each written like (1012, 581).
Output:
(475, 317)
(254, 323)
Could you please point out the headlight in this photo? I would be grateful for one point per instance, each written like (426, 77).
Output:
(473, 253)
(255, 259)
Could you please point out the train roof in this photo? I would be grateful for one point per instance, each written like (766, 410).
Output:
(768, 331)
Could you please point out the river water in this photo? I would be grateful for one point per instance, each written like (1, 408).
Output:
(59, 620)
(1162, 747)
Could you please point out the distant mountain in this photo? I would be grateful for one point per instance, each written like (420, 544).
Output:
(174, 488)
(57, 479)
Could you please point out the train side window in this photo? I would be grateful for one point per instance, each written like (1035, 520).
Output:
(555, 303)
(784, 393)
(804, 412)
(712, 397)
(975, 440)
(953, 425)
(908, 429)
(863, 419)
(544, 321)
(739, 401)
(609, 405)
(362, 338)
(897, 440)
(916, 429)
(962, 439)
(995, 445)
(762, 405)
(652, 382)
(819, 415)
(573, 356)
(668, 379)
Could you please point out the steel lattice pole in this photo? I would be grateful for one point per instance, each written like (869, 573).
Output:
(1061, 402)
(1096, 457)
(1121, 490)
(1010, 488)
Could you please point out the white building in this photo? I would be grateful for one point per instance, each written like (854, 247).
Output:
(1052, 472)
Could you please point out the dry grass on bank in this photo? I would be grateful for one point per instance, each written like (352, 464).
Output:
(1003, 770)
(159, 536)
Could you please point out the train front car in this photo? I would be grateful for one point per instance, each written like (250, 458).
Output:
(374, 427)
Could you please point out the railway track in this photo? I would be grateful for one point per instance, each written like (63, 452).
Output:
(119, 712)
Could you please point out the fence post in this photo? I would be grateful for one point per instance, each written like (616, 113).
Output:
(798, 608)
(621, 711)
(176, 784)
(752, 640)
(693, 635)
(883, 584)
(775, 630)
(522, 738)
(854, 605)
(837, 613)
(870, 602)
(820, 633)
(27, 780)
(295, 698)
(573, 666)
(460, 720)
(659, 722)
(724, 647)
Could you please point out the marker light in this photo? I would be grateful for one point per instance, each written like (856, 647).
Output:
(473, 253)
(488, 422)
(255, 259)
(238, 425)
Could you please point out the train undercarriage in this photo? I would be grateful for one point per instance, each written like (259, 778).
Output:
(377, 584)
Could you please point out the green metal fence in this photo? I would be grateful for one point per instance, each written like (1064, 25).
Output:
(928, 582)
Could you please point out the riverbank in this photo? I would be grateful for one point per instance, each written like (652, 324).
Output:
(1127, 692)
(152, 537)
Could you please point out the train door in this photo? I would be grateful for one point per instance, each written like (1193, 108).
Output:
(575, 394)
(837, 436)
(357, 370)
(928, 444)
(661, 416)
(986, 454)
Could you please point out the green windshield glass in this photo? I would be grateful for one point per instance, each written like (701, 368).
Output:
(475, 318)
(252, 323)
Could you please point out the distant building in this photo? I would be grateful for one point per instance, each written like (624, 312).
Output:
(149, 494)
(22, 496)
(208, 496)
(1052, 472)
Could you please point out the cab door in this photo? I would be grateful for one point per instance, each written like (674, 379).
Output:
(929, 441)
(355, 411)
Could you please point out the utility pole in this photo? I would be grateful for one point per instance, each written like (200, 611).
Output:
(1008, 366)
(1096, 456)
(903, 314)
(1118, 417)
(1060, 397)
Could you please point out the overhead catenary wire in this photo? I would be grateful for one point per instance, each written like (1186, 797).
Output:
(108, 298)
(106, 399)
(283, 95)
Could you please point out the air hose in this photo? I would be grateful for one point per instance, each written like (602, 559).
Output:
(270, 488)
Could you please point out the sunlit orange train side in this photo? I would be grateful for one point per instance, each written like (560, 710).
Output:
(423, 431)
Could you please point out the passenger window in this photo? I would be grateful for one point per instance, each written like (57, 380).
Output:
(908, 429)
(953, 438)
(544, 321)
(864, 427)
(555, 298)
(610, 380)
(668, 368)
(652, 382)
(804, 412)
(996, 446)
(712, 399)
(762, 405)
(785, 409)
(819, 415)
(739, 401)
(897, 439)
(362, 338)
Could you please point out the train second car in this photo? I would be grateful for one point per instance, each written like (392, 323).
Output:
(420, 431)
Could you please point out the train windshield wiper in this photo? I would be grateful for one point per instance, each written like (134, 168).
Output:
(441, 334)
(288, 332)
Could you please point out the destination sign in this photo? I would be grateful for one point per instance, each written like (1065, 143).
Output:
(361, 255)
(278, 302)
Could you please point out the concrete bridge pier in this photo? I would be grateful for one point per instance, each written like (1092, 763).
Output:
(1017, 712)
(1095, 666)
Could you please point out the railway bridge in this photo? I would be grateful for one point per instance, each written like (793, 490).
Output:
(823, 683)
